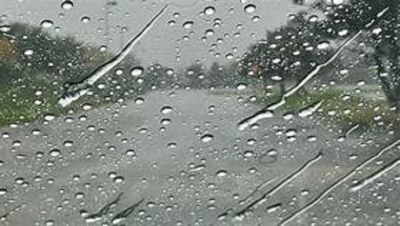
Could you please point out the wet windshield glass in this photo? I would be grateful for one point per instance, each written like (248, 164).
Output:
(175, 112)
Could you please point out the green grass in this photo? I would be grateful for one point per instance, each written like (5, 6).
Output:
(17, 104)
(336, 109)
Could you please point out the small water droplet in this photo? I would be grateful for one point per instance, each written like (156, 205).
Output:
(85, 19)
(67, 4)
(291, 132)
(313, 18)
(343, 32)
(36, 132)
(250, 8)
(207, 138)
(209, 32)
(55, 153)
(3, 191)
(119, 179)
(46, 23)
(337, 2)
(139, 100)
(188, 24)
(323, 45)
(130, 152)
(241, 86)
(137, 71)
(273, 208)
(165, 121)
(16, 143)
(312, 138)
(305, 192)
(68, 143)
(248, 154)
(209, 10)
(119, 71)
(49, 117)
(222, 173)
(166, 110)
(256, 18)
(5, 28)
(87, 107)
(170, 71)
(28, 52)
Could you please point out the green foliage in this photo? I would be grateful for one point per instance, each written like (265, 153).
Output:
(31, 85)
(334, 109)
(288, 53)
(382, 17)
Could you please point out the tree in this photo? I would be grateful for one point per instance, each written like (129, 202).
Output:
(380, 20)
(217, 76)
(158, 77)
(287, 53)
(193, 76)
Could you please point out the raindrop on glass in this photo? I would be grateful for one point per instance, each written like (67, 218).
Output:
(46, 23)
(222, 173)
(188, 24)
(250, 8)
(166, 110)
(67, 4)
(55, 153)
(137, 71)
(209, 10)
(28, 52)
(207, 138)
(85, 19)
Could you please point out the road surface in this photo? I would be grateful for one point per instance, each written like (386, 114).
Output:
(183, 155)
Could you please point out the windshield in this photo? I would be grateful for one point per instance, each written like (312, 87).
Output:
(175, 112)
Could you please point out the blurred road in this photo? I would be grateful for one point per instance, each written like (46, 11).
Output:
(181, 152)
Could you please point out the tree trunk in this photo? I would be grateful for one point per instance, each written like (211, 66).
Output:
(282, 87)
(387, 59)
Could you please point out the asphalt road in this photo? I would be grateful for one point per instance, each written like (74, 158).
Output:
(181, 158)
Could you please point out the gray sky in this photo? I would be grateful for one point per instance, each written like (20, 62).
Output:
(164, 43)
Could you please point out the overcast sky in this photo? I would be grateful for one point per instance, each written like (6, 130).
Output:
(165, 42)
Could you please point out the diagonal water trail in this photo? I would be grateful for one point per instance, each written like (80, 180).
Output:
(75, 91)
(103, 211)
(352, 129)
(338, 182)
(255, 118)
(374, 176)
(120, 217)
(279, 186)
(257, 189)
(309, 110)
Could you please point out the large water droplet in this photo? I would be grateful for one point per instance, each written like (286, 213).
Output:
(323, 45)
(49, 117)
(137, 71)
(241, 86)
(3, 191)
(166, 110)
(85, 19)
(5, 28)
(28, 52)
(250, 8)
(119, 179)
(55, 153)
(46, 23)
(209, 10)
(188, 24)
(222, 173)
(207, 138)
(67, 4)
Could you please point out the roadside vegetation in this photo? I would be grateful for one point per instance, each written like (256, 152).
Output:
(339, 108)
